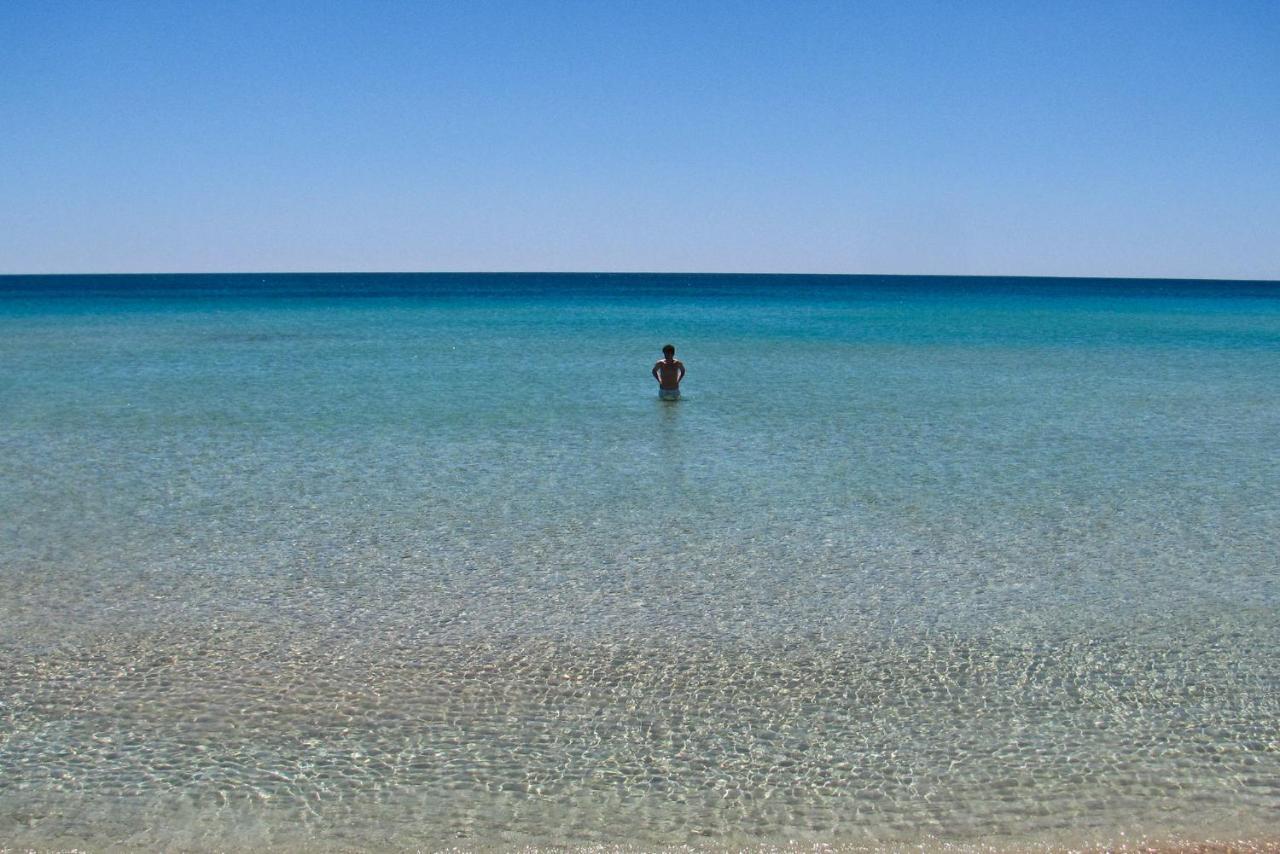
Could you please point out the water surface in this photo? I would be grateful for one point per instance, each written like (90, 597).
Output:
(421, 561)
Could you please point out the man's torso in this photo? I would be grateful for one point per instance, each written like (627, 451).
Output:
(668, 373)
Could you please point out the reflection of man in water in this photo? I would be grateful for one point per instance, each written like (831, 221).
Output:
(668, 371)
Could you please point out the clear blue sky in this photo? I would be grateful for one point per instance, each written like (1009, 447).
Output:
(1058, 138)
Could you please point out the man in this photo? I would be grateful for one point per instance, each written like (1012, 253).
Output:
(668, 371)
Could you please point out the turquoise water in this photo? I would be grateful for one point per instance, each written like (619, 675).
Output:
(417, 562)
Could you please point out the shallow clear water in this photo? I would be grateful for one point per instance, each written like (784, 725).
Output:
(391, 562)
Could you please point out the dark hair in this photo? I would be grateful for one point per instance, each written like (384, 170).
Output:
(669, 349)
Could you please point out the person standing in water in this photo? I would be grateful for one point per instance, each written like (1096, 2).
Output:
(668, 371)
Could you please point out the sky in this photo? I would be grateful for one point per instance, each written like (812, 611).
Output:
(1068, 138)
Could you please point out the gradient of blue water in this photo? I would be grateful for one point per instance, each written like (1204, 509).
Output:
(973, 530)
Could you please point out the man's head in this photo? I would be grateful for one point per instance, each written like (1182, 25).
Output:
(669, 350)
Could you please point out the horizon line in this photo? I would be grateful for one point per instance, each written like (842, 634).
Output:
(639, 273)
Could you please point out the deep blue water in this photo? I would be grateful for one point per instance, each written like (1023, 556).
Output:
(603, 285)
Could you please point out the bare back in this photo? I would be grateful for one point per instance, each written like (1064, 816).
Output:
(669, 373)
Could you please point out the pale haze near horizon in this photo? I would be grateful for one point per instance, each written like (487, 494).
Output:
(1089, 139)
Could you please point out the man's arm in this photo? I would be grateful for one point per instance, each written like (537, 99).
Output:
(655, 371)
(681, 377)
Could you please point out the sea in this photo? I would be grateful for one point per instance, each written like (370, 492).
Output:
(421, 562)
